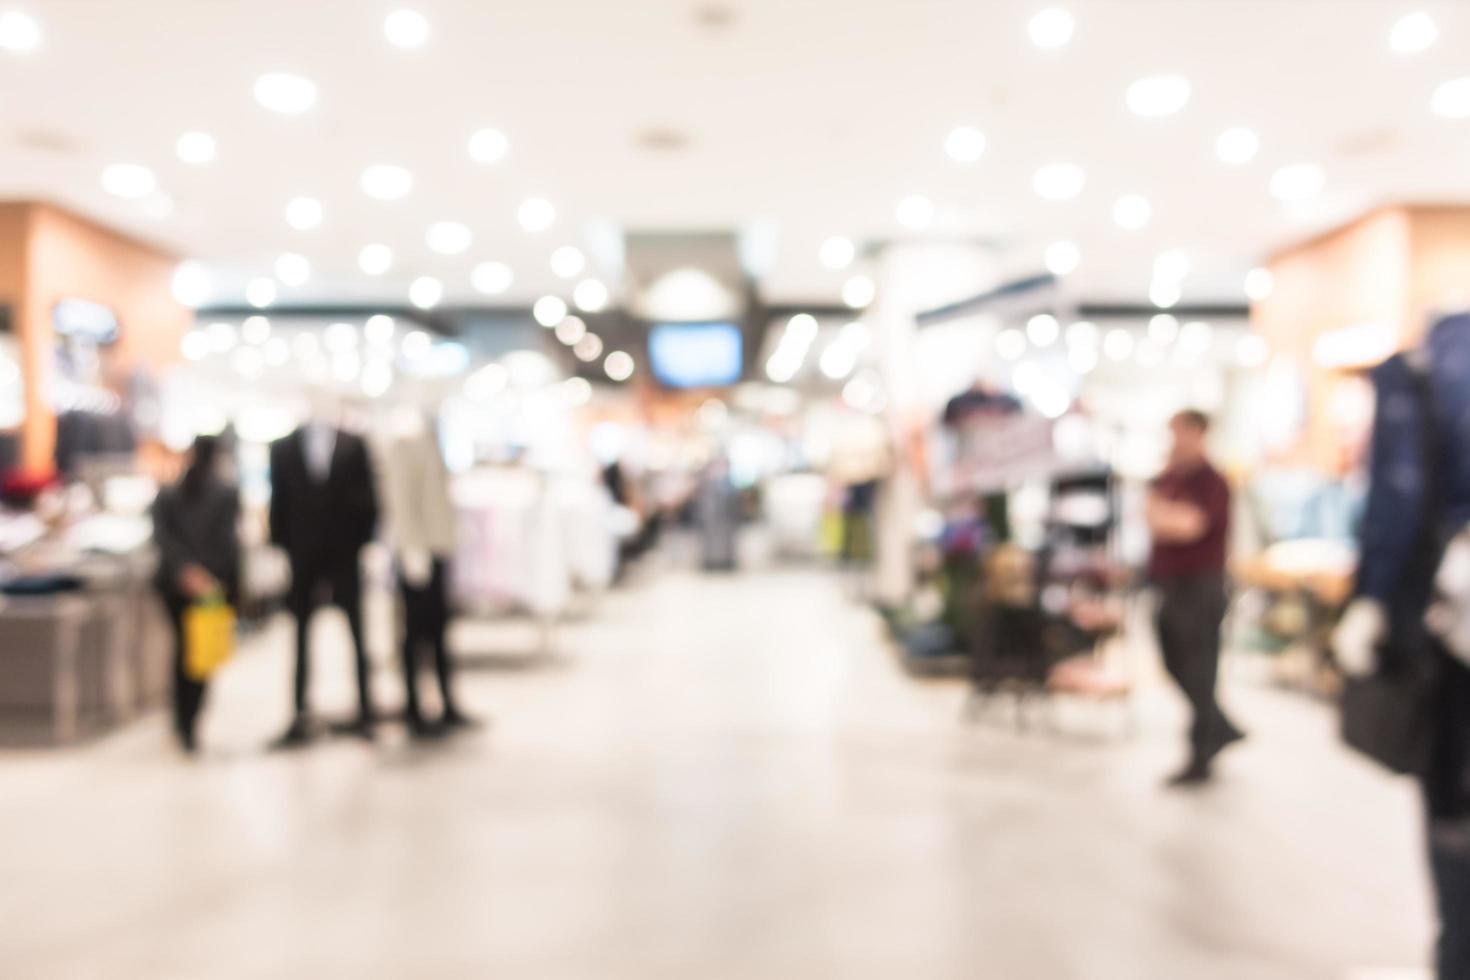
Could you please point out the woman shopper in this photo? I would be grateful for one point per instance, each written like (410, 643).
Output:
(194, 526)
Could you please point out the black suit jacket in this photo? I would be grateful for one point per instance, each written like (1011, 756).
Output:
(322, 526)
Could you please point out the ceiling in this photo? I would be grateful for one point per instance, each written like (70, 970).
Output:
(786, 121)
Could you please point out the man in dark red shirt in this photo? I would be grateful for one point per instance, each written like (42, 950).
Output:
(1189, 516)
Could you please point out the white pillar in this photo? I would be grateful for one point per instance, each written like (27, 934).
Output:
(912, 278)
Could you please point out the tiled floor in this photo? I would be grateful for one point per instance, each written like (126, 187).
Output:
(711, 778)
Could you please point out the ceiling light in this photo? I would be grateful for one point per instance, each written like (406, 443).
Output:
(340, 338)
(304, 213)
(293, 269)
(837, 252)
(491, 278)
(838, 360)
(801, 329)
(1062, 258)
(915, 212)
(1158, 95)
(196, 148)
(1043, 330)
(375, 259)
(858, 292)
(571, 330)
(1010, 344)
(377, 378)
(965, 144)
(285, 93)
(619, 365)
(1259, 283)
(589, 348)
(1171, 265)
(129, 180)
(1452, 99)
(1118, 345)
(425, 292)
(1196, 337)
(1413, 33)
(488, 145)
(1132, 211)
(18, 32)
(1051, 28)
(1082, 360)
(246, 362)
(305, 345)
(379, 329)
(590, 296)
(1058, 181)
(449, 238)
(1165, 293)
(191, 284)
(578, 391)
(1299, 181)
(417, 345)
(406, 28)
(568, 262)
(549, 310)
(536, 214)
(386, 182)
(1237, 146)
(260, 292)
(1163, 329)
(255, 330)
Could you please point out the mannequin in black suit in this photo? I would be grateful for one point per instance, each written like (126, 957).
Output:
(324, 510)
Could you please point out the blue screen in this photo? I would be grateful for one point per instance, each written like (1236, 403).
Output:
(696, 355)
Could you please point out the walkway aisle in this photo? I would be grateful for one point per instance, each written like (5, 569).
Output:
(716, 778)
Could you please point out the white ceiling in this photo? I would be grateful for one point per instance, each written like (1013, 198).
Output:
(805, 118)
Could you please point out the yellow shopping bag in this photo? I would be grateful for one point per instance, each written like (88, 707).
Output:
(209, 637)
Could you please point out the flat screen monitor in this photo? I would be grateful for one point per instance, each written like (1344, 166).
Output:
(696, 355)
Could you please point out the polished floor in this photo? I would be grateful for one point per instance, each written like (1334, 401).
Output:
(706, 778)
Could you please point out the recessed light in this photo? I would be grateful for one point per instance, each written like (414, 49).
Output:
(1043, 329)
(1082, 333)
(292, 269)
(1259, 284)
(283, 92)
(1158, 95)
(1118, 344)
(222, 337)
(1132, 211)
(491, 278)
(1253, 351)
(255, 330)
(1062, 258)
(340, 337)
(590, 296)
(619, 365)
(304, 213)
(1196, 337)
(915, 212)
(129, 180)
(425, 292)
(1452, 99)
(568, 262)
(549, 311)
(589, 348)
(837, 252)
(1163, 329)
(191, 284)
(488, 145)
(406, 28)
(571, 330)
(19, 32)
(449, 238)
(417, 345)
(379, 329)
(858, 292)
(965, 144)
(386, 182)
(1413, 33)
(277, 352)
(1165, 293)
(536, 214)
(260, 292)
(1237, 146)
(196, 148)
(1051, 28)
(1059, 181)
(1297, 182)
(375, 259)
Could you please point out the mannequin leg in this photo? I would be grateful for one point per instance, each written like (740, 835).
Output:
(413, 635)
(438, 622)
(347, 594)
